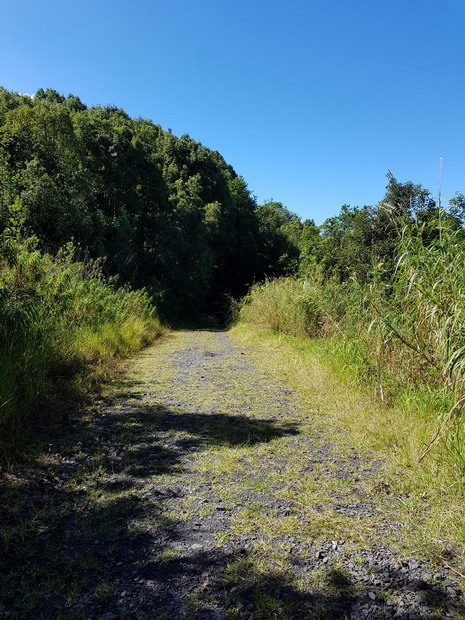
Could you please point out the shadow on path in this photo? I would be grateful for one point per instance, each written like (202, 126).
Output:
(88, 531)
(79, 520)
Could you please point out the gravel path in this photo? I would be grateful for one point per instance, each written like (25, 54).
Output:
(203, 488)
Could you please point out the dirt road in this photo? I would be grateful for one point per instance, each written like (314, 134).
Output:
(201, 487)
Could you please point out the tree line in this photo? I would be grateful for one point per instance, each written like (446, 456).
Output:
(168, 213)
(171, 215)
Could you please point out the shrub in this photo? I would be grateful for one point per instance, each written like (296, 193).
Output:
(61, 322)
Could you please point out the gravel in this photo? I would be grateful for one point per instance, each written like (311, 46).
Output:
(173, 546)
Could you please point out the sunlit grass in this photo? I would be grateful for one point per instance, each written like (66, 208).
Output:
(423, 497)
(62, 328)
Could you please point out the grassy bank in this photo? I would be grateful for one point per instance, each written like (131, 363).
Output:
(393, 350)
(399, 334)
(62, 326)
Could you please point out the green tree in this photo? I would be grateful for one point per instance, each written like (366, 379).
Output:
(279, 239)
(403, 203)
(310, 254)
(346, 248)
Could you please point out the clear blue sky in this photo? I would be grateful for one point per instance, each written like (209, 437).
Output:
(310, 101)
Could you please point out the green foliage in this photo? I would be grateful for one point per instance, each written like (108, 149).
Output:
(346, 247)
(403, 334)
(284, 305)
(279, 235)
(60, 321)
(306, 306)
(429, 293)
(354, 243)
(125, 189)
(168, 213)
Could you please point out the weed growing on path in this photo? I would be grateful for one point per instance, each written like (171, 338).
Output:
(201, 485)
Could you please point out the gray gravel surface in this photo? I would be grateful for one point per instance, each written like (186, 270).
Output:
(186, 504)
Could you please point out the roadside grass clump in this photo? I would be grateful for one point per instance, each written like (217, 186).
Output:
(281, 305)
(62, 326)
(305, 306)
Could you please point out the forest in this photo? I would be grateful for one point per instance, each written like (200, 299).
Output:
(167, 213)
(111, 226)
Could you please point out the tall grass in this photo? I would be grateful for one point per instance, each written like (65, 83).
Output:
(430, 288)
(283, 306)
(404, 338)
(61, 325)
(304, 307)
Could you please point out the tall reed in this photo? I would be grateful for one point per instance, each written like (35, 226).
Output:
(429, 290)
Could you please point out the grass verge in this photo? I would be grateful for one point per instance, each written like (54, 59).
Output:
(63, 325)
(427, 499)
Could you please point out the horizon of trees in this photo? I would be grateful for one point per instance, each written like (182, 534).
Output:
(171, 215)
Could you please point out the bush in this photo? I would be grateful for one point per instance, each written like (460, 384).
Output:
(61, 322)
(284, 305)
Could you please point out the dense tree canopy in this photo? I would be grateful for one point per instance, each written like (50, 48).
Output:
(166, 212)
(171, 215)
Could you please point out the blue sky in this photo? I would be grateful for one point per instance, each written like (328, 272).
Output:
(310, 101)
